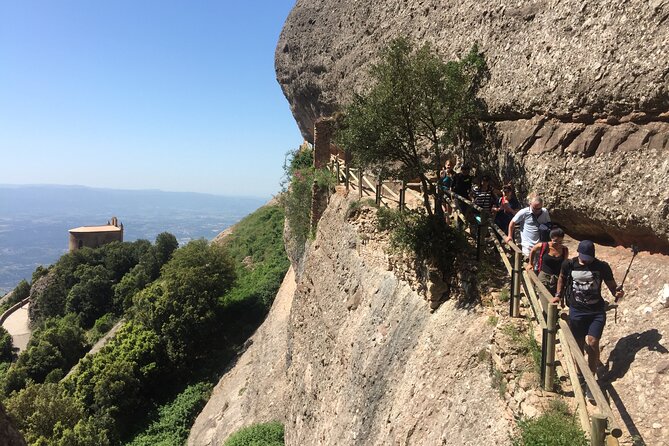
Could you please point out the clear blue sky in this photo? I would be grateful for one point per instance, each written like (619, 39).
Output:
(170, 95)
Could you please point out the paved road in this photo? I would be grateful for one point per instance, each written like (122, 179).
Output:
(17, 326)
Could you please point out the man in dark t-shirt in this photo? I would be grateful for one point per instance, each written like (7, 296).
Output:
(587, 308)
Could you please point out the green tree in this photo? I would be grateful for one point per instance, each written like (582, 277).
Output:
(41, 411)
(417, 107)
(183, 306)
(91, 297)
(6, 346)
(165, 245)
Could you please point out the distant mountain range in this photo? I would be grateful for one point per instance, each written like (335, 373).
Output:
(34, 220)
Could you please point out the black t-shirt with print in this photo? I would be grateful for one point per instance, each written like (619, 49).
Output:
(586, 292)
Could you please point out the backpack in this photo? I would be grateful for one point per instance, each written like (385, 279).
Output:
(544, 228)
(544, 247)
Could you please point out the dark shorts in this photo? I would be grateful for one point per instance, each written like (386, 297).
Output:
(587, 324)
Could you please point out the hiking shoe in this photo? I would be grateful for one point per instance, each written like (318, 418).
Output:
(588, 394)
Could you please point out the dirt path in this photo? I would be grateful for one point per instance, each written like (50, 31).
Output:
(238, 399)
(17, 324)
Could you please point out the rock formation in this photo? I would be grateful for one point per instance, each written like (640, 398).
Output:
(359, 359)
(578, 95)
(9, 436)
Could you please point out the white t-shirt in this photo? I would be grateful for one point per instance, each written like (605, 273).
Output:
(529, 227)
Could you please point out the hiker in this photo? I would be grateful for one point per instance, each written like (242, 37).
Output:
(446, 179)
(483, 195)
(581, 279)
(550, 256)
(532, 221)
(462, 185)
(507, 207)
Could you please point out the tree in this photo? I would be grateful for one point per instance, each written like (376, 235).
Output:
(91, 297)
(6, 346)
(40, 411)
(165, 245)
(417, 107)
(183, 306)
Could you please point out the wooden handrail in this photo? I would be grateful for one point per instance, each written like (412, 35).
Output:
(539, 297)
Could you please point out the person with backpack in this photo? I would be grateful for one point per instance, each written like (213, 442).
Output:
(549, 256)
(580, 282)
(445, 183)
(534, 222)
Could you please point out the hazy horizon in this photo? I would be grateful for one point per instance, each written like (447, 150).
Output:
(34, 220)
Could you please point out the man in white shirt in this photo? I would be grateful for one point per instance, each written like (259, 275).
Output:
(529, 219)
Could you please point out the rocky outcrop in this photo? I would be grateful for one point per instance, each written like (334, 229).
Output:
(359, 359)
(578, 95)
(9, 436)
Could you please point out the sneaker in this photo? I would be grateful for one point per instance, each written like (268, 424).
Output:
(588, 395)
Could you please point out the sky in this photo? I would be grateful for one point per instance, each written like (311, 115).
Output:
(141, 94)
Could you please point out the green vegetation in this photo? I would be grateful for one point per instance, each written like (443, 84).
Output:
(428, 236)
(187, 312)
(418, 108)
(267, 434)
(525, 343)
(20, 292)
(556, 427)
(173, 421)
(300, 177)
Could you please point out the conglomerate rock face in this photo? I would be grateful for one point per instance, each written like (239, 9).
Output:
(578, 95)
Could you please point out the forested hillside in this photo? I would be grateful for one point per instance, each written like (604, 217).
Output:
(186, 311)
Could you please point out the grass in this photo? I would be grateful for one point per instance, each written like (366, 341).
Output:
(498, 381)
(493, 320)
(556, 427)
(504, 295)
(525, 343)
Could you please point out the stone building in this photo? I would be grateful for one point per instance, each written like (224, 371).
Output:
(96, 236)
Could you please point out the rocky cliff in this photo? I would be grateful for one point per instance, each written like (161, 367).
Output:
(352, 356)
(578, 97)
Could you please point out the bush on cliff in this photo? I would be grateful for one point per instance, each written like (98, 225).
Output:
(300, 177)
(265, 434)
(556, 427)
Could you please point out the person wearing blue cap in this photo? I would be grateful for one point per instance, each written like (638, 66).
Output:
(581, 279)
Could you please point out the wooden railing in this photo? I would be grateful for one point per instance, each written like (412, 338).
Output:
(601, 424)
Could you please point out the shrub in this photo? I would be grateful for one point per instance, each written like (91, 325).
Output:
(428, 236)
(556, 427)
(174, 419)
(300, 177)
(267, 434)
(6, 346)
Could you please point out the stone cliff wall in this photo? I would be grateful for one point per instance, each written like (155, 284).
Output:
(356, 358)
(578, 97)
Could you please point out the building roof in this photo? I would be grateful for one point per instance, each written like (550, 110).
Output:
(103, 228)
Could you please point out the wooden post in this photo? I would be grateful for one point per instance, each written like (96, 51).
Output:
(549, 348)
(598, 430)
(378, 191)
(403, 191)
(360, 175)
(346, 175)
(338, 172)
(515, 291)
(480, 233)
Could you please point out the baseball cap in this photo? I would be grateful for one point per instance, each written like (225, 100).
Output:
(586, 251)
